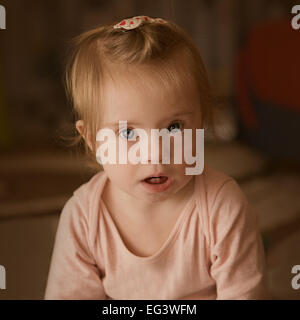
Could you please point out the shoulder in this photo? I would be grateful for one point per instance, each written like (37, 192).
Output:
(212, 185)
(87, 191)
(219, 198)
(75, 221)
(84, 198)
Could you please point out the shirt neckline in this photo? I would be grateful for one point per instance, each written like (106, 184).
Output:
(172, 235)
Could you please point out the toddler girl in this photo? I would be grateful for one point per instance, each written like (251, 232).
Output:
(148, 230)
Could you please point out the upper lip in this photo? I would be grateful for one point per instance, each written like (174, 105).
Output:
(156, 175)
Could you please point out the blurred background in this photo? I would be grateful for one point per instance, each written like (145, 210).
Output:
(252, 55)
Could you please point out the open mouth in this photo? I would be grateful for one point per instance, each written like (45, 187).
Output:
(157, 183)
(156, 180)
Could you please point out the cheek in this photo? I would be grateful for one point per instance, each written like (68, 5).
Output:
(119, 174)
(109, 148)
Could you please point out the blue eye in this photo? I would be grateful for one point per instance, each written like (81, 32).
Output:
(175, 127)
(127, 134)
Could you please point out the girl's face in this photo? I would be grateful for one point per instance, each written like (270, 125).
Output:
(149, 107)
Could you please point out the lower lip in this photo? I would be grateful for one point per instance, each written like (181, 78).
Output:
(157, 187)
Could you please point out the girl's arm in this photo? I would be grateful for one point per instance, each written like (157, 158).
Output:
(73, 272)
(237, 254)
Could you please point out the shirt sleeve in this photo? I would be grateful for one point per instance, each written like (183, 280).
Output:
(73, 273)
(237, 253)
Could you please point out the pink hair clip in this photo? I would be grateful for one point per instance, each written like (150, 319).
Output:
(134, 22)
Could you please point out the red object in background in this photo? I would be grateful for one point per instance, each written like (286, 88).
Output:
(268, 87)
(270, 65)
(244, 104)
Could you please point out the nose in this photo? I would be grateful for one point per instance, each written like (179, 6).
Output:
(156, 152)
(150, 146)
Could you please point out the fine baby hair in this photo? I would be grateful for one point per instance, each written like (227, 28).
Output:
(141, 43)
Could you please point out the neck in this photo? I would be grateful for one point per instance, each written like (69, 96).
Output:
(145, 209)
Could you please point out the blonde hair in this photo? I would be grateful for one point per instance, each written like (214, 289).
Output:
(105, 51)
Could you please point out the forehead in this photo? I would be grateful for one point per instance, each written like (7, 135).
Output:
(147, 94)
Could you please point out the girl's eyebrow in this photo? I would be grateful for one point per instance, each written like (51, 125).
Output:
(181, 114)
(129, 123)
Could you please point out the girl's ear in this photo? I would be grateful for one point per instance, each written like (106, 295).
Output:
(79, 127)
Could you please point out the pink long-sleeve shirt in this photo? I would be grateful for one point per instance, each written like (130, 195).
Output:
(214, 251)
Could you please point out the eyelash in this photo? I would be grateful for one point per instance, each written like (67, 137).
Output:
(120, 132)
(181, 123)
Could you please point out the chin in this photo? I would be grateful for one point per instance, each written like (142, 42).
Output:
(155, 198)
